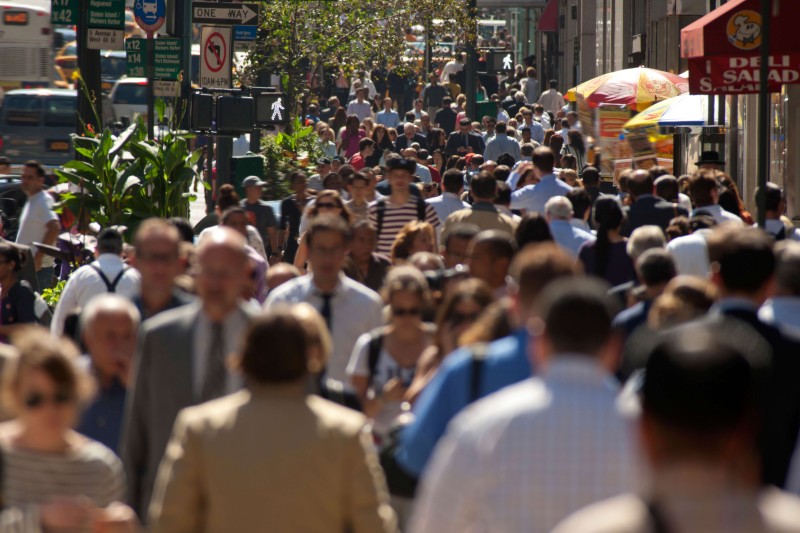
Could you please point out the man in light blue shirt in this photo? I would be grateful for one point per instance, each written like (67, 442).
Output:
(501, 144)
(506, 360)
(388, 116)
(450, 200)
(532, 198)
(558, 211)
(537, 130)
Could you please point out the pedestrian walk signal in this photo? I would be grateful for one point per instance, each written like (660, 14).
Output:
(499, 61)
(234, 114)
(271, 109)
(202, 113)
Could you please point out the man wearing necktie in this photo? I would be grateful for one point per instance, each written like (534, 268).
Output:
(181, 359)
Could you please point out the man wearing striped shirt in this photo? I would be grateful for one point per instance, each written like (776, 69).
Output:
(391, 214)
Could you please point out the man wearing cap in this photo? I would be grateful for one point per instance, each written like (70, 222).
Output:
(259, 214)
(389, 215)
(462, 142)
(360, 107)
(323, 169)
(108, 273)
(703, 388)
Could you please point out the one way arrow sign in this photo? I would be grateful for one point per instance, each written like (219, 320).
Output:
(225, 13)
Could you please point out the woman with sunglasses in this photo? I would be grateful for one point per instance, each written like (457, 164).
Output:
(384, 361)
(55, 479)
(18, 298)
(462, 307)
(328, 202)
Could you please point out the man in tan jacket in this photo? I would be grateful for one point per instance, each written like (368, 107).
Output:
(271, 457)
(483, 212)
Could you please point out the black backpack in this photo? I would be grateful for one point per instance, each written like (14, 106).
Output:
(381, 207)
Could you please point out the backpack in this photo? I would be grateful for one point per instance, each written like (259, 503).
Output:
(381, 206)
(111, 286)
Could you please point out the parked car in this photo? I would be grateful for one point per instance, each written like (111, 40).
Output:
(37, 123)
(129, 98)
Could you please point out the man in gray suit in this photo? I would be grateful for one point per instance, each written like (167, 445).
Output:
(181, 359)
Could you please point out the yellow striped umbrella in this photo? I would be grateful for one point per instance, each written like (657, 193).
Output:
(636, 87)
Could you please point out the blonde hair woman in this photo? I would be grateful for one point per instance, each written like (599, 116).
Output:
(415, 237)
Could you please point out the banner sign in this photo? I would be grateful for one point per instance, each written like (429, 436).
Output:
(741, 74)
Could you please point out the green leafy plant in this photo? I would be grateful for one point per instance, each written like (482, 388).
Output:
(53, 295)
(296, 149)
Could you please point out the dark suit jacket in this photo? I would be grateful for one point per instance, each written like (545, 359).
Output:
(782, 403)
(402, 142)
(456, 141)
(651, 210)
(162, 386)
(446, 118)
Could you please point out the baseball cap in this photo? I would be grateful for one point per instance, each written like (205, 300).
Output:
(252, 181)
(401, 163)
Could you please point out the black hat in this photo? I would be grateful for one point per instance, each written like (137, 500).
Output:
(401, 163)
(710, 158)
(705, 375)
(323, 161)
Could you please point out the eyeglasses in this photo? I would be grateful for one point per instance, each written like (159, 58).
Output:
(34, 400)
(327, 206)
(414, 311)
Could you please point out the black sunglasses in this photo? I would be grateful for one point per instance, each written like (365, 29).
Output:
(414, 311)
(460, 318)
(35, 400)
(327, 206)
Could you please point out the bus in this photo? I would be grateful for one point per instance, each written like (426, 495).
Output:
(26, 45)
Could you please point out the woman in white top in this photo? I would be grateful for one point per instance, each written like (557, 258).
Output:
(383, 382)
(53, 478)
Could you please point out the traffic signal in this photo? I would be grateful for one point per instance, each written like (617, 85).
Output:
(202, 112)
(270, 108)
(234, 114)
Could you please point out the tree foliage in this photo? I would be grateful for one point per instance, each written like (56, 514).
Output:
(301, 37)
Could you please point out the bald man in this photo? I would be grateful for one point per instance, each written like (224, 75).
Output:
(181, 359)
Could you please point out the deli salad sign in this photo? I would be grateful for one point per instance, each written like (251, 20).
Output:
(742, 74)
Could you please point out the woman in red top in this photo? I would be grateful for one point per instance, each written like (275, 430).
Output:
(350, 137)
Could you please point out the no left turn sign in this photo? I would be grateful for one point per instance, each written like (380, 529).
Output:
(215, 68)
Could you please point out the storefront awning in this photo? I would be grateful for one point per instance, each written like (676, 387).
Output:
(549, 19)
(723, 48)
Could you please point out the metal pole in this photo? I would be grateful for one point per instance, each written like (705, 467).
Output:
(763, 109)
(471, 67)
(89, 68)
(150, 81)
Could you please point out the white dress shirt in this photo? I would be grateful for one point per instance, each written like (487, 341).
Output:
(85, 283)
(355, 310)
(783, 312)
(690, 253)
(718, 214)
(525, 457)
(233, 331)
(446, 204)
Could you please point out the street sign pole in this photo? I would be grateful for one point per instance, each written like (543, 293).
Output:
(151, 52)
(89, 68)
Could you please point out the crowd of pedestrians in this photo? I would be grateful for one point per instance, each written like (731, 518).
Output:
(492, 340)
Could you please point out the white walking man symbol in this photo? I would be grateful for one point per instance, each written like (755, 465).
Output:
(277, 107)
(507, 62)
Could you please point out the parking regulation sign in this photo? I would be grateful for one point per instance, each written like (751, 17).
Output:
(149, 14)
(215, 57)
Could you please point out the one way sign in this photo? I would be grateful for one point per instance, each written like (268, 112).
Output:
(225, 13)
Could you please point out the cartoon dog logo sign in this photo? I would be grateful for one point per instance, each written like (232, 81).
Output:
(744, 30)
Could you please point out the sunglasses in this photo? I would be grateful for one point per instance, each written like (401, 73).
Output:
(461, 318)
(414, 311)
(35, 400)
(327, 206)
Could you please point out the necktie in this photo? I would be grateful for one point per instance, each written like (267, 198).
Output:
(466, 141)
(216, 375)
(326, 310)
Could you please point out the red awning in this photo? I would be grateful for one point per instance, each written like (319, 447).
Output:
(723, 48)
(549, 20)
(735, 29)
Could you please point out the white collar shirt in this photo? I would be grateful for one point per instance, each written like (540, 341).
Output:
(355, 310)
(446, 204)
(690, 253)
(85, 283)
(525, 457)
(783, 312)
(718, 214)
